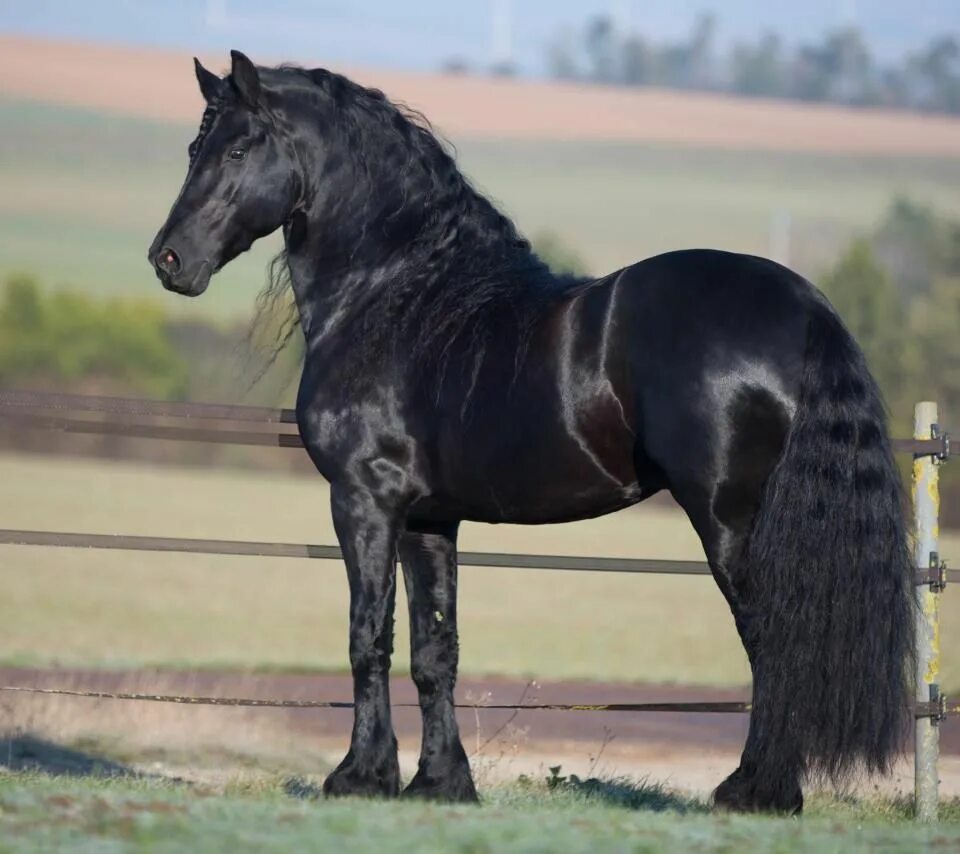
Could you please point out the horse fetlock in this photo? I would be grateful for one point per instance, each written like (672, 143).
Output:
(448, 780)
(749, 793)
(365, 777)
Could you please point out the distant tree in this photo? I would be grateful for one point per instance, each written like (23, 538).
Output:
(455, 66)
(759, 69)
(503, 69)
(916, 245)
(64, 337)
(866, 299)
(838, 68)
(638, 61)
(935, 331)
(700, 59)
(600, 44)
(893, 87)
(562, 58)
(936, 75)
(673, 65)
(851, 66)
(907, 242)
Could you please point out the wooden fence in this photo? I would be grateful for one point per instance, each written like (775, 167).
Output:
(261, 426)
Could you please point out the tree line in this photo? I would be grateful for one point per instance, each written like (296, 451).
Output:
(839, 68)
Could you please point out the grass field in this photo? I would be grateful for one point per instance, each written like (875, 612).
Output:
(85, 192)
(39, 813)
(79, 608)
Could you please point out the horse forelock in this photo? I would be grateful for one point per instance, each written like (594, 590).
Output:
(210, 113)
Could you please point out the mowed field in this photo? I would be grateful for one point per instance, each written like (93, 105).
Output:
(127, 609)
(42, 814)
(89, 164)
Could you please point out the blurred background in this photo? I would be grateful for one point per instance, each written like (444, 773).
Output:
(825, 135)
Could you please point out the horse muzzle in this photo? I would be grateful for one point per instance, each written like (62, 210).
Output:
(175, 276)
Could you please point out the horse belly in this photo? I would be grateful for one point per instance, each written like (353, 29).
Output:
(543, 460)
(558, 439)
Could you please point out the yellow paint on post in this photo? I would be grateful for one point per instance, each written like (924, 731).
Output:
(931, 611)
(926, 505)
(931, 600)
(933, 490)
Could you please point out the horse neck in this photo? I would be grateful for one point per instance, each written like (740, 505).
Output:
(336, 283)
(329, 296)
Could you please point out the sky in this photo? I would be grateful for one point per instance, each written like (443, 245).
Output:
(423, 34)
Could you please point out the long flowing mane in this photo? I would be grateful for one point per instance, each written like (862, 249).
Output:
(432, 257)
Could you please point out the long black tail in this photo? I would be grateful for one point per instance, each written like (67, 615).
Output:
(830, 555)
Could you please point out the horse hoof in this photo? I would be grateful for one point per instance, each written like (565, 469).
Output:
(455, 787)
(739, 793)
(363, 780)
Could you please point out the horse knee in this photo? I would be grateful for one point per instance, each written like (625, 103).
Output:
(433, 664)
(370, 651)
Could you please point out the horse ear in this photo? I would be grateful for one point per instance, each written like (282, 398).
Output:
(209, 82)
(246, 78)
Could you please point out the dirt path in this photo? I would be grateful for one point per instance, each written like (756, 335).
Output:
(690, 751)
(718, 731)
(160, 85)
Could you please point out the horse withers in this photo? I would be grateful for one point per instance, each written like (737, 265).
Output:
(450, 375)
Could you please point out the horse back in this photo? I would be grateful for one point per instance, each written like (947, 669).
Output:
(578, 415)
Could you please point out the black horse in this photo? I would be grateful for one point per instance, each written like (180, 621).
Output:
(450, 375)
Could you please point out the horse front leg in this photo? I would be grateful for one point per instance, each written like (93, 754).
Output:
(429, 560)
(367, 532)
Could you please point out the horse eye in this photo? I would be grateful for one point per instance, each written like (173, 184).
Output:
(237, 154)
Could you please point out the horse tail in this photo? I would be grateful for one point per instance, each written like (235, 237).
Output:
(829, 552)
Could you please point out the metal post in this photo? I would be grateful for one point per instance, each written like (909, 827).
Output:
(926, 504)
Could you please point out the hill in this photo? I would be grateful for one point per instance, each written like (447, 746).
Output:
(159, 85)
(94, 148)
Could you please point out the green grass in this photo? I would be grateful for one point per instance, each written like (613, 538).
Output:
(77, 607)
(84, 194)
(39, 813)
(114, 609)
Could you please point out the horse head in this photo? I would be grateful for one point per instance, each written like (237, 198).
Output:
(242, 182)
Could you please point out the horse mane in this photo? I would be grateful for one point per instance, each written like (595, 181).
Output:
(456, 259)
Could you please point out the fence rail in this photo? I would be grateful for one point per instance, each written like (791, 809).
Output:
(263, 426)
(12, 400)
(300, 550)
(246, 548)
(45, 411)
(920, 710)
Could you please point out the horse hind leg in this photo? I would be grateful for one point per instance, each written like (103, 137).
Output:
(768, 778)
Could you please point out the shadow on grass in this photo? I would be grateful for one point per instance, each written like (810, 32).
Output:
(296, 787)
(27, 753)
(624, 793)
(616, 792)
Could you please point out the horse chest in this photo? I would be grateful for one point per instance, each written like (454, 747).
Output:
(361, 441)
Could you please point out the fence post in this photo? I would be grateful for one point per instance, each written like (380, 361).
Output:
(926, 507)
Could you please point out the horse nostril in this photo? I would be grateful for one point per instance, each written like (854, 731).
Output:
(167, 261)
